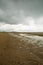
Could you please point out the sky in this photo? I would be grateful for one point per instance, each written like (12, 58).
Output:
(21, 15)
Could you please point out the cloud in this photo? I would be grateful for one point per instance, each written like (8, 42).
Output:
(40, 21)
(29, 21)
(31, 7)
(27, 25)
(17, 11)
(11, 16)
(17, 27)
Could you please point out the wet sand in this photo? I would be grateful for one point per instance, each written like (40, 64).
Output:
(16, 50)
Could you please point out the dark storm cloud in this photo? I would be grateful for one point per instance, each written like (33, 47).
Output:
(12, 8)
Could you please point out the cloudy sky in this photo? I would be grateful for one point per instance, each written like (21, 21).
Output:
(21, 15)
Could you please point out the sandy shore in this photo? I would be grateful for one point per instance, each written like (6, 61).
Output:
(20, 50)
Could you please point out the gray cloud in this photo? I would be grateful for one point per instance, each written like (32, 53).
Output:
(21, 15)
(12, 8)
